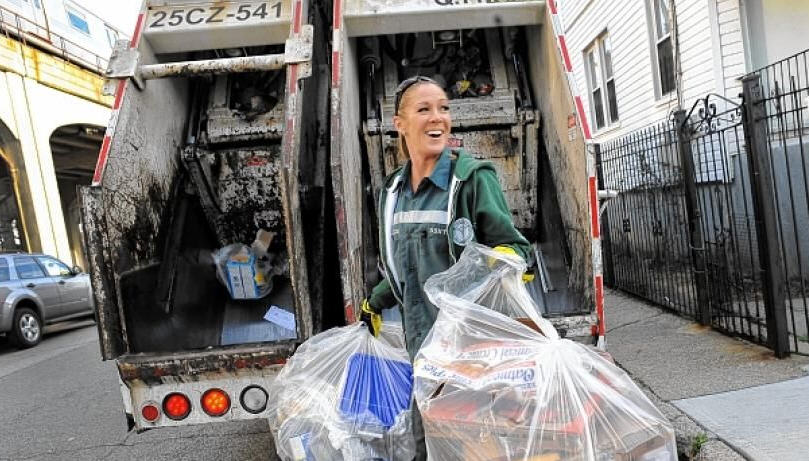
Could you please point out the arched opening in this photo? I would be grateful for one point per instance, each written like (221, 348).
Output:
(12, 236)
(75, 150)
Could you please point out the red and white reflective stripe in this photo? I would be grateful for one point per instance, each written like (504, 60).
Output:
(120, 91)
(337, 49)
(595, 232)
(297, 17)
(292, 69)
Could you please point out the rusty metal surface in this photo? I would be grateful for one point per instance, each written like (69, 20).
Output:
(346, 169)
(225, 125)
(123, 61)
(245, 107)
(111, 331)
(471, 113)
(124, 218)
(239, 190)
(212, 66)
(156, 369)
(298, 50)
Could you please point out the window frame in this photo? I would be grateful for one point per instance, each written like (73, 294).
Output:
(601, 83)
(654, 45)
(43, 259)
(35, 262)
(70, 11)
(5, 270)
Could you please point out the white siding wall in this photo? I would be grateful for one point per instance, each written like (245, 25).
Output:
(733, 63)
(583, 22)
(696, 51)
(629, 30)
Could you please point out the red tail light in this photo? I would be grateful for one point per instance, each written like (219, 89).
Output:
(150, 412)
(176, 406)
(215, 402)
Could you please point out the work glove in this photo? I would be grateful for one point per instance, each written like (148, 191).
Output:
(527, 277)
(372, 319)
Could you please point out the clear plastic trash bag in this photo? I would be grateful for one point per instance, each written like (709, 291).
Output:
(491, 388)
(344, 395)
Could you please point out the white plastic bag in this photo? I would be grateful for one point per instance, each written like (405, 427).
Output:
(489, 387)
(344, 395)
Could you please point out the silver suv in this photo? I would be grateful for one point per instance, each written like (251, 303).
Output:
(37, 289)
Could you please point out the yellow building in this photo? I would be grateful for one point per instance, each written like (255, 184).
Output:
(52, 119)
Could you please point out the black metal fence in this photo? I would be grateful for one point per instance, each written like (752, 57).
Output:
(782, 115)
(712, 216)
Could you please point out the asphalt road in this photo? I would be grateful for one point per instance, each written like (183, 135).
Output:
(60, 401)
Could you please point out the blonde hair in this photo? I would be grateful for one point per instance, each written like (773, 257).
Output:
(401, 144)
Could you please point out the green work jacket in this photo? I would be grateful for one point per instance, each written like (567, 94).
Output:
(450, 211)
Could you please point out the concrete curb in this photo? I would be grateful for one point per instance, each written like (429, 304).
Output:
(686, 431)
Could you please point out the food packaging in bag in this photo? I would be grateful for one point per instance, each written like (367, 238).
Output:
(489, 387)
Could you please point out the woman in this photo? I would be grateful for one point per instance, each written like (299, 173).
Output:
(429, 210)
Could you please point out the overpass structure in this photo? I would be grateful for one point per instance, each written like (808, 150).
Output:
(52, 120)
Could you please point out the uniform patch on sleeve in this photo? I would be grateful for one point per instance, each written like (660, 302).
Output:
(462, 231)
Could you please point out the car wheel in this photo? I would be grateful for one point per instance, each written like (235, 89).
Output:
(27, 330)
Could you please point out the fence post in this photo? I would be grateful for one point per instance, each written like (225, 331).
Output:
(695, 238)
(754, 117)
(606, 245)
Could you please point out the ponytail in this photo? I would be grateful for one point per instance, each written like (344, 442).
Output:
(401, 149)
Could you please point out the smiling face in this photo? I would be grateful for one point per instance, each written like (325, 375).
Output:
(423, 120)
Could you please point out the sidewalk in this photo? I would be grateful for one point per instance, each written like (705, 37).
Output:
(717, 391)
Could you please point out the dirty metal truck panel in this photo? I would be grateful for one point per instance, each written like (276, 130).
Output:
(205, 147)
(509, 104)
(214, 135)
(124, 217)
(178, 26)
(566, 156)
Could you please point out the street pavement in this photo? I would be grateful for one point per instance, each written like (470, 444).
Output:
(715, 389)
(59, 401)
(731, 398)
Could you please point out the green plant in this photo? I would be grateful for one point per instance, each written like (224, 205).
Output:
(697, 443)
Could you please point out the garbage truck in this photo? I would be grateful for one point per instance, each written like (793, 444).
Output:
(510, 103)
(215, 135)
(244, 122)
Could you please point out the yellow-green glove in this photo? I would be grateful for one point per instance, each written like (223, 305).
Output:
(372, 319)
(527, 276)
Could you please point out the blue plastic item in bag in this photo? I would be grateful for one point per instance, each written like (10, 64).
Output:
(376, 386)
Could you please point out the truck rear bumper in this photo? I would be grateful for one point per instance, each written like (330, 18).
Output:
(149, 381)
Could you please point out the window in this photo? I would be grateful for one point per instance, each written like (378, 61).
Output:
(601, 82)
(53, 267)
(78, 21)
(27, 268)
(663, 50)
(5, 274)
